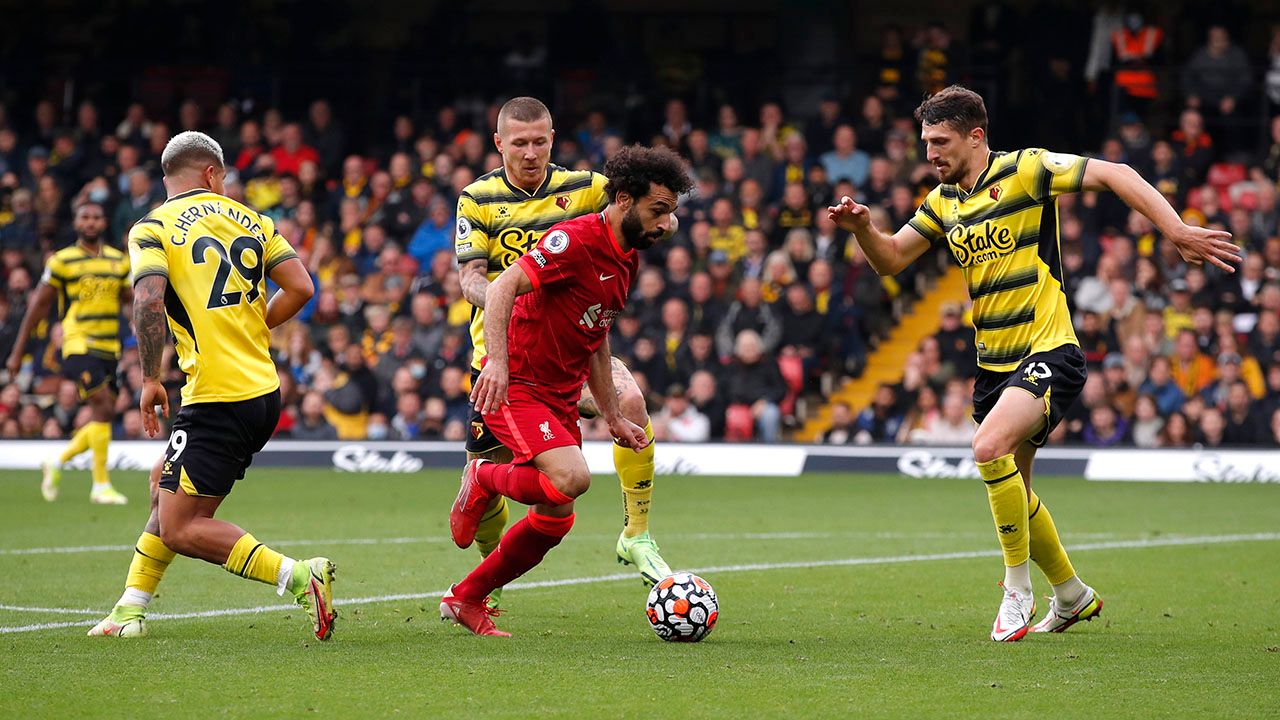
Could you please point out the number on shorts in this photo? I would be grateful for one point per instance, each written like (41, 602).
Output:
(178, 441)
(1038, 370)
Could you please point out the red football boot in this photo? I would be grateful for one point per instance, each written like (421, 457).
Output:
(472, 615)
(469, 507)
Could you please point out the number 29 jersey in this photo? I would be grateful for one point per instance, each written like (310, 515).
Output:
(216, 254)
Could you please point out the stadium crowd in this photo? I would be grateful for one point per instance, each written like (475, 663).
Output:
(751, 315)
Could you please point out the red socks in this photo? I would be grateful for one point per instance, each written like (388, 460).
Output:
(519, 551)
(522, 483)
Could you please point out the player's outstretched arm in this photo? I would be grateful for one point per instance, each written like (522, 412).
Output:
(887, 254)
(296, 290)
(1197, 245)
(37, 310)
(600, 380)
(151, 329)
(490, 391)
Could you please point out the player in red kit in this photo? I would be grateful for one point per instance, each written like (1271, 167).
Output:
(547, 321)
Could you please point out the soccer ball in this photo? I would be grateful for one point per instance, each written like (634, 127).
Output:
(682, 608)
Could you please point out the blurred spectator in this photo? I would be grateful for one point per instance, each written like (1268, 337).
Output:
(753, 381)
(1192, 370)
(312, 424)
(842, 428)
(1195, 147)
(1147, 423)
(845, 161)
(135, 205)
(1213, 428)
(1216, 76)
(952, 426)
(679, 420)
(434, 234)
(1115, 379)
(1106, 428)
(881, 421)
(956, 341)
(749, 313)
(1243, 427)
(706, 398)
(1177, 432)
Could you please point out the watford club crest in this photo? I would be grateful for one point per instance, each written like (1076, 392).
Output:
(562, 202)
(995, 192)
(477, 429)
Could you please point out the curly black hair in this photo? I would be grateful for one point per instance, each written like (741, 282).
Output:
(633, 168)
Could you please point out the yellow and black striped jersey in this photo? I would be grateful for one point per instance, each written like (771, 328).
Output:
(500, 222)
(1004, 234)
(216, 254)
(89, 286)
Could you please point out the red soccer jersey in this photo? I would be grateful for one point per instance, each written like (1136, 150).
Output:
(581, 279)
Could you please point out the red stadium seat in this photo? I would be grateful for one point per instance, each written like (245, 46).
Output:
(739, 424)
(1223, 175)
(792, 367)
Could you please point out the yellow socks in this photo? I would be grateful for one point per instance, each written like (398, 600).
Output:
(99, 440)
(79, 443)
(489, 532)
(1008, 497)
(150, 559)
(255, 561)
(1046, 548)
(635, 470)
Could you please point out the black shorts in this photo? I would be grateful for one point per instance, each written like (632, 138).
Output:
(1055, 375)
(480, 439)
(90, 373)
(212, 444)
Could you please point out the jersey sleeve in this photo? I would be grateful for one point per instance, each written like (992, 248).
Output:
(471, 236)
(599, 199)
(1046, 175)
(556, 260)
(278, 248)
(928, 219)
(54, 273)
(146, 251)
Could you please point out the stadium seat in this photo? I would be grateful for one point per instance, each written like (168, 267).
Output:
(1223, 175)
(792, 367)
(739, 423)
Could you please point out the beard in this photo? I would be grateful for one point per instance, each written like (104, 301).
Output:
(91, 236)
(633, 231)
(952, 175)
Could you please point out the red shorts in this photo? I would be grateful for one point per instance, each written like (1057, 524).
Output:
(530, 426)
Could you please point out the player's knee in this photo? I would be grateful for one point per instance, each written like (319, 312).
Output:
(989, 446)
(572, 481)
(633, 406)
(177, 539)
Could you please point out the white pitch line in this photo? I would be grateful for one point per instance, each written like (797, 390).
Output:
(52, 611)
(844, 562)
(72, 549)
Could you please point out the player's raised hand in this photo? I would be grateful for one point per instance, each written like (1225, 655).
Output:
(153, 394)
(1199, 245)
(628, 433)
(490, 391)
(849, 215)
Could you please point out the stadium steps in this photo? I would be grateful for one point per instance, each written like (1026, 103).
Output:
(885, 363)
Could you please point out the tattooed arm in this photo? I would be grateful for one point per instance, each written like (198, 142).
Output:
(152, 330)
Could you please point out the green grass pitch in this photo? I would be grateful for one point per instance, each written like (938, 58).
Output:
(841, 596)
